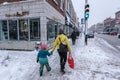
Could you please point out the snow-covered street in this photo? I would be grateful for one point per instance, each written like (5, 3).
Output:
(91, 63)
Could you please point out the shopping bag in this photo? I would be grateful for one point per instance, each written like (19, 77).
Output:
(70, 61)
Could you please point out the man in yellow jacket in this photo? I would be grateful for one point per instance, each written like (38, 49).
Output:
(62, 38)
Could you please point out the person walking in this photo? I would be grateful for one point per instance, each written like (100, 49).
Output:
(62, 39)
(73, 37)
(42, 58)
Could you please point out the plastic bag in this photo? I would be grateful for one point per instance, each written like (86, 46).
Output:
(70, 61)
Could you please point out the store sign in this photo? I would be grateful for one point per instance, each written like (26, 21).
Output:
(82, 21)
(18, 14)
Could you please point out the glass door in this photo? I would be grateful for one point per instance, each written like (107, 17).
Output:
(23, 29)
(35, 29)
(4, 31)
(13, 30)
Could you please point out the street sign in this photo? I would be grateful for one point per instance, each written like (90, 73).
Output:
(82, 21)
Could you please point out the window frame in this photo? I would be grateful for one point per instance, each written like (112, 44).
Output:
(55, 1)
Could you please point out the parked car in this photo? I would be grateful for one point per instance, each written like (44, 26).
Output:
(113, 33)
(105, 32)
(90, 35)
(118, 35)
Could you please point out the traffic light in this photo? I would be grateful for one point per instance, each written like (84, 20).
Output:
(86, 15)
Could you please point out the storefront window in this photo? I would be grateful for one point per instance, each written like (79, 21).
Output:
(0, 30)
(56, 29)
(13, 30)
(35, 29)
(50, 29)
(3, 30)
(67, 30)
(53, 29)
(23, 29)
(18, 29)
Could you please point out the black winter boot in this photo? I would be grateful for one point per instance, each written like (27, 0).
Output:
(63, 71)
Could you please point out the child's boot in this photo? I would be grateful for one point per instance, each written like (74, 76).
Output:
(48, 67)
(41, 70)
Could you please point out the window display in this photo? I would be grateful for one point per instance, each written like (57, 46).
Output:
(13, 34)
(4, 30)
(52, 29)
(35, 29)
(23, 29)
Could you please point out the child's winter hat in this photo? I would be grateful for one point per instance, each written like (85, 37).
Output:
(43, 46)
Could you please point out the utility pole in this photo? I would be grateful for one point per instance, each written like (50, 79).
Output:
(86, 16)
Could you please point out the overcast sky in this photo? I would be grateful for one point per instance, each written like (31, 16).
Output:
(99, 9)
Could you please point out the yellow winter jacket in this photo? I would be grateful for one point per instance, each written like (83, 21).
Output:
(61, 38)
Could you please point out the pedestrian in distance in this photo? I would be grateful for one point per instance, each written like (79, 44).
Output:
(77, 33)
(73, 37)
(62, 39)
(42, 58)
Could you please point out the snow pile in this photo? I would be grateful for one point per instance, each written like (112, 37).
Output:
(91, 63)
(14, 65)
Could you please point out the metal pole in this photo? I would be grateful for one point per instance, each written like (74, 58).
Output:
(86, 24)
(86, 1)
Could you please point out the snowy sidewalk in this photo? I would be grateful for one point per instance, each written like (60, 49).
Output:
(95, 64)
(91, 63)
